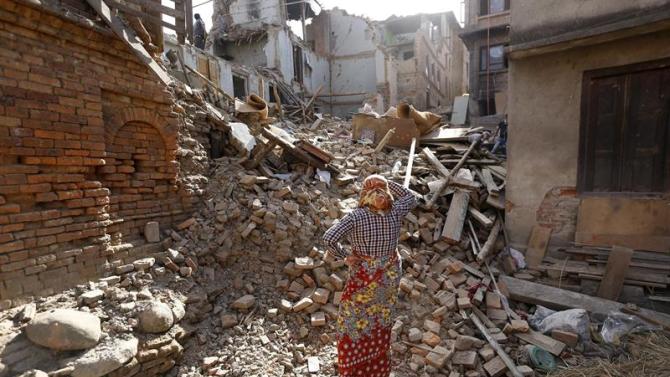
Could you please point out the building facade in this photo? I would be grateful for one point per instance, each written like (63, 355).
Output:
(589, 115)
(486, 35)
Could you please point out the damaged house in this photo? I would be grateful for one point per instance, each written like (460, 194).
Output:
(343, 60)
(589, 114)
(486, 35)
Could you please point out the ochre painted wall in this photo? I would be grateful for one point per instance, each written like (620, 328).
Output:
(544, 121)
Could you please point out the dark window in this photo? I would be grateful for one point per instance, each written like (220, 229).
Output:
(487, 106)
(625, 129)
(407, 55)
(297, 64)
(494, 57)
(492, 6)
(239, 87)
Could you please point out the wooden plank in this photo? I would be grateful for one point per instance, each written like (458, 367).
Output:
(450, 180)
(499, 171)
(188, 20)
(577, 267)
(443, 186)
(615, 272)
(481, 218)
(491, 186)
(453, 226)
(637, 283)
(559, 299)
(410, 162)
(453, 161)
(497, 202)
(496, 346)
(488, 247)
(537, 245)
(639, 255)
(384, 140)
(547, 343)
(129, 37)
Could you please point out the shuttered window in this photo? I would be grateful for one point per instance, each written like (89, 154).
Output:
(625, 130)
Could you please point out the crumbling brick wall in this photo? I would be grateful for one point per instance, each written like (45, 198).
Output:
(87, 151)
(558, 211)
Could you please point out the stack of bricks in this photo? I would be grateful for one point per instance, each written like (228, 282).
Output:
(87, 145)
(155, 355)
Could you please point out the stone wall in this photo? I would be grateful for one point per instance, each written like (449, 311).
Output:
(87, 151)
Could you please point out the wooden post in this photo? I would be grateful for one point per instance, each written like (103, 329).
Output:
(487, 248)
(453, 226)
(410, 162)
(188, 16)
(496, 346)
(181, 24)
(615, 272)
(280, 111)
(384, 140)
(453, 171)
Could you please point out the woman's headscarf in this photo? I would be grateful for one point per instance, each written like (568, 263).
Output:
(375, 194)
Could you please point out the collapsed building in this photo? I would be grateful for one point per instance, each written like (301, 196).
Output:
(156, 219)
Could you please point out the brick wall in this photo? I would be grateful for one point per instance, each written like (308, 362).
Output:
(87, 151)
(558, 211)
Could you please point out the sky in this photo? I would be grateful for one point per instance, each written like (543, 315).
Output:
(374, 9)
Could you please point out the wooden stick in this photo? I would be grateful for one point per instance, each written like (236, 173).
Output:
(208, 81)
(384, 140)
(488, 246)
(496, 346)
(453, 171)
(316, 94)
(410, 162)
(278, 102)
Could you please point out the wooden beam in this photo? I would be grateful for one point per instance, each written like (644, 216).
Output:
(384, 140)
(560, 299)
(452, 172)
(488, 247)
(615, 272)
(214, 86)
(548, 344)
(496, 346)
(481, 218)
(128, 36)
(491, 186)
(410, 162)
(458, 208)
(537, 245)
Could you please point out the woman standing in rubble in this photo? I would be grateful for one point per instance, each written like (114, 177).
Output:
(367, 306)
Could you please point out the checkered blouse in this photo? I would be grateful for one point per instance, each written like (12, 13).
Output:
(369, 233)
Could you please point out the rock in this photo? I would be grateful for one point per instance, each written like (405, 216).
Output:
(26, 314)
(243, 303)
(487, 353)
(430, 339)
(302, 304)
(144, 264)
(185, 271)
(178, 310)
(465, 358)
(108, 356)
(152, 232)
(91, 297)
(174, 255)
(415, 335)
(34, 373)
(304, 263)
(516, 326)
(228, 320)
(495, 367)
(321, 296)
(464, 343)
(431, 326)
(318, 319)
(209, 361)
(64, 330)
(313, 364)
(155, 317)
(438, 357)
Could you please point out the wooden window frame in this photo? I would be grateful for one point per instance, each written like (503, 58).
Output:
(485, 8)
(485, 51)
(587, 77)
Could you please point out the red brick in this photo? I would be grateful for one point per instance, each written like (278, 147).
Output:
(35, 188)
(10, 208)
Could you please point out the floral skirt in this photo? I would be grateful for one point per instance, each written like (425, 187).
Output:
(365, 318)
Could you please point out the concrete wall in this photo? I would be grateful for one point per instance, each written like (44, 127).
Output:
(544, 118)
(190, 55)
(538, 19)
(252, 14)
